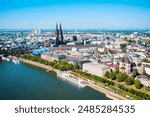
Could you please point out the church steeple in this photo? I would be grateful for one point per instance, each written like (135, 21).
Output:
(59, 35)
(56, 27)
(60, 26)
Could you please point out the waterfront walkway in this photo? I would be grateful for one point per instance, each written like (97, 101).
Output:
(47, 67)
(109, 94)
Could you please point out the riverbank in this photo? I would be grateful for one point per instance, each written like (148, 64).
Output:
(108, 93)
(47, 67)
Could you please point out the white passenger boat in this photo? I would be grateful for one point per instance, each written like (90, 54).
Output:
(15, 61)
(77, 81)
(6, 59)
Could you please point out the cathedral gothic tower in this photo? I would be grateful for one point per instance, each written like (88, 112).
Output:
(59, 35)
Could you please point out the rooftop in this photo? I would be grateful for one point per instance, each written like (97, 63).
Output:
(101, 66)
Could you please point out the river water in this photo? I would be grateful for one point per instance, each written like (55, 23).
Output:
(27, 82)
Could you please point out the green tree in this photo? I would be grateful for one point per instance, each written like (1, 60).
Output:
(148, 42)
(145, 60)
(123, 46)
(76, 66)
(56, 66)
(131, 41)
(138, 84)
(129, 81)
(107, 74)
(61, 68)
(112, 75)
(121, 77)
(67, 66)
(135, 73)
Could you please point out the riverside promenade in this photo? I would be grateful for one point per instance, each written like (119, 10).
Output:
(108, 93)
(47, 67)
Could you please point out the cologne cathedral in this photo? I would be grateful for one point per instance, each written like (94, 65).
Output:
(59, 35)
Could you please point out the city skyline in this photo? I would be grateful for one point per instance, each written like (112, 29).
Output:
(75, 14)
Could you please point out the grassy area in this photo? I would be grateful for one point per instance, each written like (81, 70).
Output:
(110, 88)
(130, 86)
(116, 87)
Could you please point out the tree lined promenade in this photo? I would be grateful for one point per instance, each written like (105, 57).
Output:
(115, 87)
(37, 61)
(109, 83)
(60, 65)
(123, 77)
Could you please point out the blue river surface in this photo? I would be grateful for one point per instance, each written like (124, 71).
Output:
(27, 82)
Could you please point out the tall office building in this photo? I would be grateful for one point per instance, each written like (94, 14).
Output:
(59, 35)
(37, 31)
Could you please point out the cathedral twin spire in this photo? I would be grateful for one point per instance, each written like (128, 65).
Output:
(59, 35)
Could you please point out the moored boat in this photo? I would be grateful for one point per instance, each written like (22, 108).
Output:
(6, 59)
(15, 61)
(77, 81)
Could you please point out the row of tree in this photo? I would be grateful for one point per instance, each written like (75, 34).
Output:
(61, 65)
(97, 79)
(94, 77)
(135, 92)
(123, 77)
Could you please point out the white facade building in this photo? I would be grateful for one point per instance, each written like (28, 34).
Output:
(145, 81)
(147, 69)
(101, 49)
(95, 69)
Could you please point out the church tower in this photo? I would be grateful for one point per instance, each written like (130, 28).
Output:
(59, 35)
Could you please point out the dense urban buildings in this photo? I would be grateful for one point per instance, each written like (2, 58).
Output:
(95, 52)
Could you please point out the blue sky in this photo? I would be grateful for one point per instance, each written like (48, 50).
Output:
(75, 14)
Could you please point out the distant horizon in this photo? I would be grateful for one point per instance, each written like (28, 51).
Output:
(98, 29)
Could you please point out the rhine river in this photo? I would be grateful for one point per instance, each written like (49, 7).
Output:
(27, 82)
